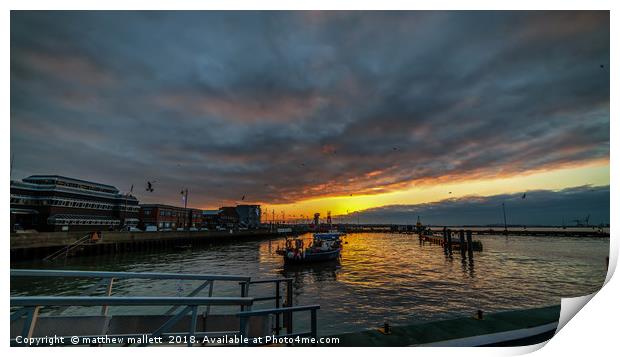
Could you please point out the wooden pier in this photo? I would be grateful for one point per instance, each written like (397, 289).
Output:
(450, 241)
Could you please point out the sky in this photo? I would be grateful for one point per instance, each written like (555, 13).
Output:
(308, 112)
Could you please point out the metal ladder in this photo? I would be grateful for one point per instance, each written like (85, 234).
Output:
(65, 251)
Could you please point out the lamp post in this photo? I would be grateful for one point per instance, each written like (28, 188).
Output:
(184, 193)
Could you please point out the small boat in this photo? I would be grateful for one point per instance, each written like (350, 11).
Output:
(324, 247)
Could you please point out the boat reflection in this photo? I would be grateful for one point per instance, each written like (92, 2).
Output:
(315, 272)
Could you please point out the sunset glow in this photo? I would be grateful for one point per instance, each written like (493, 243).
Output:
(595, 174)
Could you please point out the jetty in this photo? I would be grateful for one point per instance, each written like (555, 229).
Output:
(452, 240)
(593, 232)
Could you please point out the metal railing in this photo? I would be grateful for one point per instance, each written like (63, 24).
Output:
(288, 302)
(244, 322)
(31, 306)
(107, 279)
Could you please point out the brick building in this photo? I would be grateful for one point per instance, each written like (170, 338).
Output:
(166, 217)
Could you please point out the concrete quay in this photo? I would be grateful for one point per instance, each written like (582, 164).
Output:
(26, 246)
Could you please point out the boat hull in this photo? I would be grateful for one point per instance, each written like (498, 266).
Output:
(314, 257)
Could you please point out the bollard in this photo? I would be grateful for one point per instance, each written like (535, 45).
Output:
(462, 241)
(470, 247)
(607, 262)
(386, 327)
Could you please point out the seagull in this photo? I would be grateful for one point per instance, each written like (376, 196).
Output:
(243, 198)
(149, 186)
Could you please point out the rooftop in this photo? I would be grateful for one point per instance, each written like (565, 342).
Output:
(65, 178)
(161, 205)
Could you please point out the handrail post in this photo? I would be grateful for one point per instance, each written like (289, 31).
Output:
(289, 303)
(30, 321)
(243, 285)
(243, 329)
(313, 329)
(277, 307)
(192, 327)
(208, 309)
(104, 308)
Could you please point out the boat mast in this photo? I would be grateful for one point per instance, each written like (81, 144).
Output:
(504, 210)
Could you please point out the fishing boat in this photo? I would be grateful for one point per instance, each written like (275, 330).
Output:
(324, 247)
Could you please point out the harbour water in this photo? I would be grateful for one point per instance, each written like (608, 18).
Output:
(380, 276)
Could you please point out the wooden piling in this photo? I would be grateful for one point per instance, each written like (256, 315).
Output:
(449, 233)
(462, 241)
(470, 248)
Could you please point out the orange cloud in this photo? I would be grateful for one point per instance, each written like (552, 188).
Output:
(280, 108)
(68, 67)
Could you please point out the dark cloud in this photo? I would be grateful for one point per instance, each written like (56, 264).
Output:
(288, 105)
(541, 207)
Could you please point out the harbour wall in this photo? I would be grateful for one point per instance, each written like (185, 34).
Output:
(27, 246)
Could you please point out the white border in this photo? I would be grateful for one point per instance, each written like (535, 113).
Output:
(590, 331)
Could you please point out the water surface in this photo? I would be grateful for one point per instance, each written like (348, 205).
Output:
(380, 276)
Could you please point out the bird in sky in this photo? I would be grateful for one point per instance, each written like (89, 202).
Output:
(149, 186)
(243, 198)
